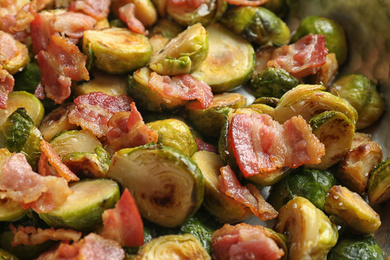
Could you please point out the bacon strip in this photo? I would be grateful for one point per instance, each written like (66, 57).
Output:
(7, 82)
(250, 196)
(94, 110)
(129, 130)
(31, 190)
(98, 9)
(32, 236)
(127, 15)
(302, 58)
(184, 87)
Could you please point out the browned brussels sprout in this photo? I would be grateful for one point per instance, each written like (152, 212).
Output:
(379, 183)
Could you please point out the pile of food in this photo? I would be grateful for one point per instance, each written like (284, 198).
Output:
(124, 133)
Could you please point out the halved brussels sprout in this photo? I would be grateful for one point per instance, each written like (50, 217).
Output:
(363, 95)
(222, 207)
(230, 60)
(170, 247)
(356, 248)
(272, 82)
(257, 24)
(176, 134)
(117, 50)
(335, 40)
(352, 209)
(147, 98)
(310, 232)
(21, 55)
(83, 209)
(167, 185)
(209, 121)
(182, 54)
(11, 210)
(27, 100)
(326, 73)
(267, 179)
(310, 100)
(18, 134)
(354, 169)
(308, 183)
(336, 132)
(378, 188)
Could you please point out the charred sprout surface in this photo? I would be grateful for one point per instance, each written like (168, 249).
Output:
(378, 188)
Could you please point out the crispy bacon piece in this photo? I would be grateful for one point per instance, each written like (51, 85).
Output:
(123, 223)
(41, 31)
(127, 129)
(8, 48)
(31, 190)
(244, 240)
(98, 9)
(32, 236)
(302, 58)
(127, 15)
(7, 82)
(49, 155)
(94, 110)
(184, 87)
(91, 246)
(262, 145)
(250, 196)
(203, 146)
(61, 63)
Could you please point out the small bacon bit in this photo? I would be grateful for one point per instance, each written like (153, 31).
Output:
(127, 15)
(247, 2)
(32, 236)
(94, 110)
(61, 63)
(7, 82)
(124, 223)
(72, 24)
(40, 92)
(63, 251)
(302, 58)
(250, 196)
(98, 9)
(243, 240)
(31, 190)
(203, 146)
(184, 87)
(54, 159)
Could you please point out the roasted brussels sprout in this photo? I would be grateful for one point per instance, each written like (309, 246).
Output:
(166, 28)
(257, 24)
(336, 132)
(362, 94)
(182, 54)
(169, 247)
(273, 82)
(310, 232)
(279, 7)
(28, 79)
(352, 209)
(336, 40)
(167, 185)
(378, 188)
(222, 207)
(230, 60)
(176, 134)
(83, 209)
(144, 10)
(16, 59)
(308, 183)
(117, 50)
(356, 248)
(209, 121)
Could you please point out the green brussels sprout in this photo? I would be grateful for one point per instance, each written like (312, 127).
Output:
(310, 100)
(181, 246)
(29, 78)
(83, 209)
(175, 134)
(230, 60)
(222, 207)
(336, 132)
(209, 121)
(18, 134)
(117, 50)
(147, 98)
(356, 248)
(279, 7)
(350, 207)
(11, 210)
(144, 10)
(167, 28)
(311, 184)
(258, 25)
(272, 82)
(378, 188)
(335, 40)
(310, 232)
(182, 54)
(363, 95)
(167, 185)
